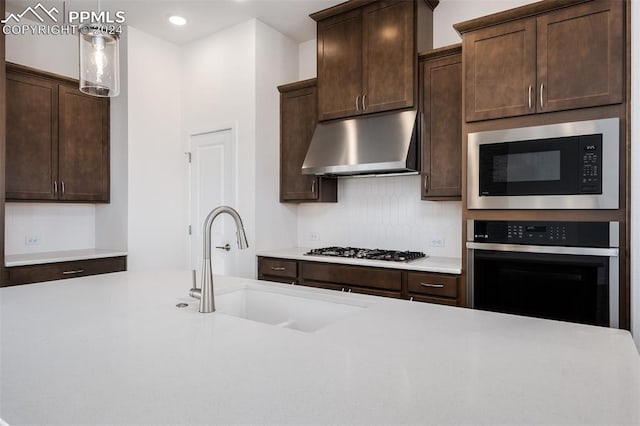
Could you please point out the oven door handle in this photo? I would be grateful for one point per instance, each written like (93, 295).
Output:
(581, 251)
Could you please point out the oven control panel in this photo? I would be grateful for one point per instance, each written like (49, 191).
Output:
(574, 234)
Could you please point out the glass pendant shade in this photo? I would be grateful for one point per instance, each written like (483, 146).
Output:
(99, 62)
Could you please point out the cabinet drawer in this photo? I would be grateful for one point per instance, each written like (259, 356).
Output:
(378, 278)
(353, 289)
(62, 270)
(433, 284)
(277, 268)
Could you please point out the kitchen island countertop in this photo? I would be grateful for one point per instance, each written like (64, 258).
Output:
(115, 349)
(444, 265)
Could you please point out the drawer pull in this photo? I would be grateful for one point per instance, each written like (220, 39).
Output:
(77, 271)
(432, 285)
(273, 268)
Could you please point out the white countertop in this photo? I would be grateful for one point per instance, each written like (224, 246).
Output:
(114, 349)
(444, 265)
(59, 256)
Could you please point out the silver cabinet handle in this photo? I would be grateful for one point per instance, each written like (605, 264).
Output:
(530, 88)
(432, 285)
(313, 186)
(364, 105)
(77, 271)
(542, 95)
(273, 268)
(358, 103)
(426, 183)
(55, 186)
(62, 186)
(225, 247)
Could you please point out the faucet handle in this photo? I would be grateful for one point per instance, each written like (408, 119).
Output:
(225, 247)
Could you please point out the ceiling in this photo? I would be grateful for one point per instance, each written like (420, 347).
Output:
(205, 17)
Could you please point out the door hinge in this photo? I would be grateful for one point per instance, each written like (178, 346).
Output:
(188, 154)
(189, 229)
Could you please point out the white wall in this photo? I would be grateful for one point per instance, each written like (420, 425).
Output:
(156, 164)
(450, 12)
(308, 59)
(276, 64)
(57, 226)
(111, 220)
(635, 174)
(231, 78)
(219, 89)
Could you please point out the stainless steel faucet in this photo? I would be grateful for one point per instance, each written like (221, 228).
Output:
(205, 294)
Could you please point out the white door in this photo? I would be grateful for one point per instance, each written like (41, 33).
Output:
(212, 185)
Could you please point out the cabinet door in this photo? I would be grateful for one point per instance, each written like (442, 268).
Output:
(389, 61)
(581, 56)
(500, 71)
(297, 122)
(340, 65)
(84, 146)
(442, 128)
(32, 138)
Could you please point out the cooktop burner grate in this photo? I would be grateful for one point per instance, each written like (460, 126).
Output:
(364, 253)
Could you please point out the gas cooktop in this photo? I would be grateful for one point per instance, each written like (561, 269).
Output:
(371, 254)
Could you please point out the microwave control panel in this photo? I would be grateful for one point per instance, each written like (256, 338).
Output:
(590, 176)
(574, 234)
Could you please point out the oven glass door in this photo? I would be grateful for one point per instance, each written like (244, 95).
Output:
(538, 167)
(552, 286)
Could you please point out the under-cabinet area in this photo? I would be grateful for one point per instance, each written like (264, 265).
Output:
(413, 280)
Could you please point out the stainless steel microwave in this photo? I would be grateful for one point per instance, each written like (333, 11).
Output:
(558, 166)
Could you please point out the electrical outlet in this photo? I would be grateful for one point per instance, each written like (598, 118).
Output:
(32, 240)
(437, 242)
(315, 236)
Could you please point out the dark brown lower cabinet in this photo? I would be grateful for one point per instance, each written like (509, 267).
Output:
(278, 270)
(357, 279)
(401, 284)
(62, 270)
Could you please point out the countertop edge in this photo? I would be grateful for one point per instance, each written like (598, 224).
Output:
(31, 259)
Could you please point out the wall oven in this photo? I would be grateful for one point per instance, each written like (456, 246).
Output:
(558, 166)
(566, 271)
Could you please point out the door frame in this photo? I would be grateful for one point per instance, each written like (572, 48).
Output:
(232, 127)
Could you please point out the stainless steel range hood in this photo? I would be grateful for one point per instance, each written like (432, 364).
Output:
(377, 144)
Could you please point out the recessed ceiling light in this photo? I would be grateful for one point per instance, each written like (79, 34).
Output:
(177, 20)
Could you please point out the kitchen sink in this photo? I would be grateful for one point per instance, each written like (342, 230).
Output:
(302, 312)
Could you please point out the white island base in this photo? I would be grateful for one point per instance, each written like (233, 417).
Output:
(115, 349)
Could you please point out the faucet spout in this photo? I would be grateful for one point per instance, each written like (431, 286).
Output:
(205, 294)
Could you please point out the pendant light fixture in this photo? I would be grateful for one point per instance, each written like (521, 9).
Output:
(99, 60)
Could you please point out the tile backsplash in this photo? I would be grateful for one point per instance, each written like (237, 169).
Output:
(383, 212)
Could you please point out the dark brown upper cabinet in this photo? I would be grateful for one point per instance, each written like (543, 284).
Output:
(298, 118)
(57, 139)
(441, 88)
(547, 60)
(367, 55)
